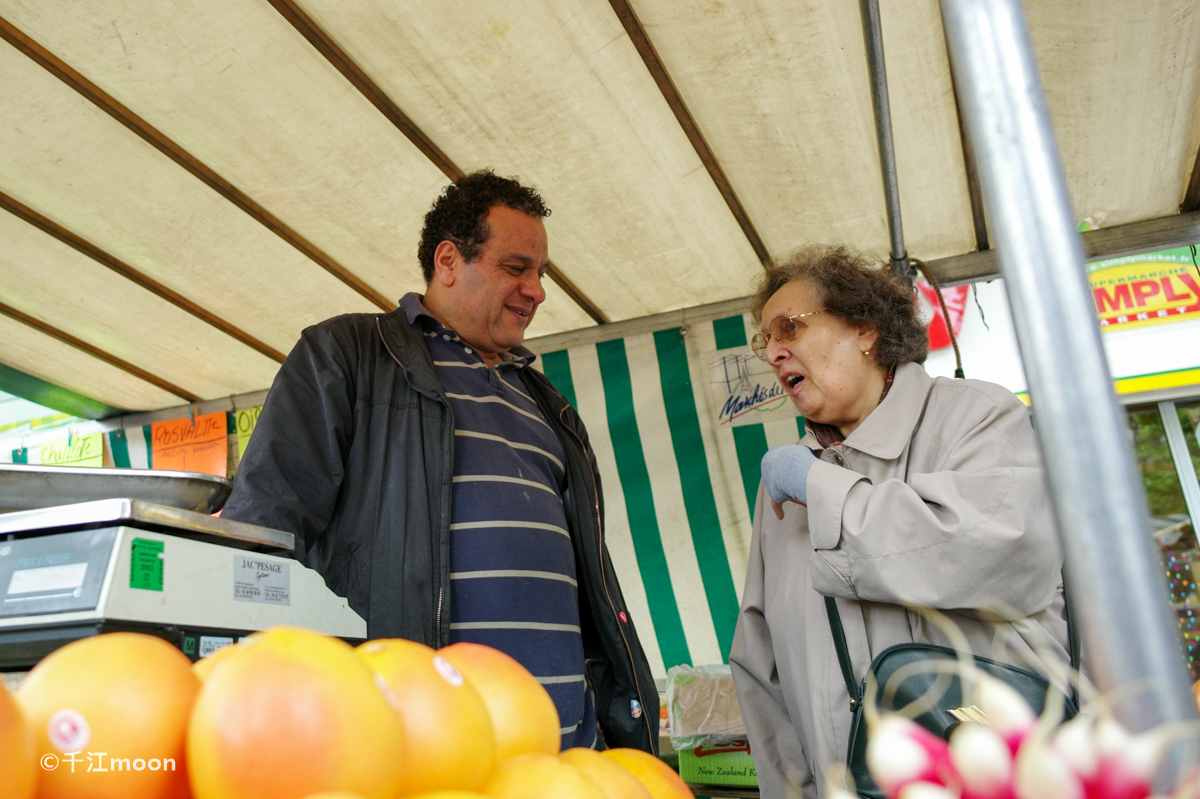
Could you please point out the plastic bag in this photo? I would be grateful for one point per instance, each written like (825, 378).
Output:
(702, 706)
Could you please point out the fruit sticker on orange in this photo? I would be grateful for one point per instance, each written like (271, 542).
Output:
(146, 559)
(447, 670)
(68, 730)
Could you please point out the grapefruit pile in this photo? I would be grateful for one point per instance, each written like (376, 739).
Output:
(291, 714)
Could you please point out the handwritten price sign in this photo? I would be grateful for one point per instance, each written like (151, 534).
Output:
(187, 446)
(246, 419)
(77, 451)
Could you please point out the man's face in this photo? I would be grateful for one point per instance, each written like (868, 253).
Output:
(494, 297)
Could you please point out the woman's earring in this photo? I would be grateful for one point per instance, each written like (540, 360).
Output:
(866, 353)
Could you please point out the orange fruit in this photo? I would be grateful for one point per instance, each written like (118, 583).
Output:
(450, 740)
(118, 703)
(203, 667)
(449, 795)
(660, 779)
(523, 714)
(333, 794)
(615, 780)
(290, 713)
(18, 759)
(537, 775)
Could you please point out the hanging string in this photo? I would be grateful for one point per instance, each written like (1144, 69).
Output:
(958, 367)
(982, 318)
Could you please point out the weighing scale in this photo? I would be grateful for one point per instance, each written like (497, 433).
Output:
(85, 551)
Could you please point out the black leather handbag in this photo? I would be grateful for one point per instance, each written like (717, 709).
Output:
(916, 682)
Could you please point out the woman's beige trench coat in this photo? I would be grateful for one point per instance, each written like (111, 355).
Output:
(941, 502)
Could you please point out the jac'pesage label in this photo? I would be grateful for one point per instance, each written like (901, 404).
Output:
(257, 579)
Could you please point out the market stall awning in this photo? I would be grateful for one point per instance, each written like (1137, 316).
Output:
(185, 187)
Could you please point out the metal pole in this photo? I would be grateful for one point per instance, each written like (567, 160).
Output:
(1184, 467)
(873, 37)
(1117, 584)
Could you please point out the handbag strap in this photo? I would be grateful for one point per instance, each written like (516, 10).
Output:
(1072, 642)
(843, 651)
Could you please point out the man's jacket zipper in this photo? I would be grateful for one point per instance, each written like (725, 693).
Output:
(440, 590)
(604, 580)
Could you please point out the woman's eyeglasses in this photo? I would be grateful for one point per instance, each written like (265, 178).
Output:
(782, 329)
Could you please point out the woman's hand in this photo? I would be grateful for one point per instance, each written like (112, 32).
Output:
(785, 475)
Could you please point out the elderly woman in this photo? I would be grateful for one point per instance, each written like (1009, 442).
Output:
(906, 491)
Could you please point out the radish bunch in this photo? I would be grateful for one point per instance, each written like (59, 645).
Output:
(1013, 755)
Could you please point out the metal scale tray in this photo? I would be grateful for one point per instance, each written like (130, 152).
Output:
(26, 487)
(146, 516)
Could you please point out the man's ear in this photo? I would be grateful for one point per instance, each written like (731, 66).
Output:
(446, 259)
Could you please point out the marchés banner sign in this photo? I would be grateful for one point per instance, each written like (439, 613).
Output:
(744, 390)
(1142, 290)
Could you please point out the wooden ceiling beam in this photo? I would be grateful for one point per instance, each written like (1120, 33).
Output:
(100, 256)
(96, 352)
(1133, 238)
(157, 139)
(360, 80)
(645, 47)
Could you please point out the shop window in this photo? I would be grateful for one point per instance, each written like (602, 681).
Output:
(1158, 449)
(1189, 420)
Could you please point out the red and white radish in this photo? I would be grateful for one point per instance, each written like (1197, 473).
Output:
(901, 752)
(982, 761)
(1042, 773)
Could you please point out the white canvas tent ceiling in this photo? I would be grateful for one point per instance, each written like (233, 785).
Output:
(279, 194)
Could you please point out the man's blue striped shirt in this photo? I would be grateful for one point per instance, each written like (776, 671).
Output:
(512, 564)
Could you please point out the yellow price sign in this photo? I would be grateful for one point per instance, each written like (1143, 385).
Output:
(246, 420)
(74, 451)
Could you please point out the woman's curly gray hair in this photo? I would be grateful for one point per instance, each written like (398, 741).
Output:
(857, 290)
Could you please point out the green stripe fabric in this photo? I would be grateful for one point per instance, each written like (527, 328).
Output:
(751, 444)
(750, 441)
(557, 368)
(120, 449)
(730, 332)
(696, 484)
(49, 395)
(639, 502)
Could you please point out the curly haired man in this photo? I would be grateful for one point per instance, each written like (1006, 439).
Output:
(443, 486)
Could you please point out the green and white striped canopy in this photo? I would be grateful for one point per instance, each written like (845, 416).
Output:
(679, 488)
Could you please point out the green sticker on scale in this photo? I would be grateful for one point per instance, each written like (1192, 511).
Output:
(146, 564)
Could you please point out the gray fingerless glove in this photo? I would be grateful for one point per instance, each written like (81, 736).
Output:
(785, 472)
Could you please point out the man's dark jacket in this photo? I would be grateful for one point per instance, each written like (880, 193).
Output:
(353, 453)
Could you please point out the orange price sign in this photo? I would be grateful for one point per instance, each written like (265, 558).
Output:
(191, 446)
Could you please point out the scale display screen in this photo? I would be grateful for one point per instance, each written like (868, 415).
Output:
(47, 578)
(54, 573)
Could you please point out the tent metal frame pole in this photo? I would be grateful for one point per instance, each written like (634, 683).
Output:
(173, 150)
(76, 242)
(873, 38)
(103, 355)
(324, 44)
(1118, 590)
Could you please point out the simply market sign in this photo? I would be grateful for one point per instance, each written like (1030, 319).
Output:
(1142, 290)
